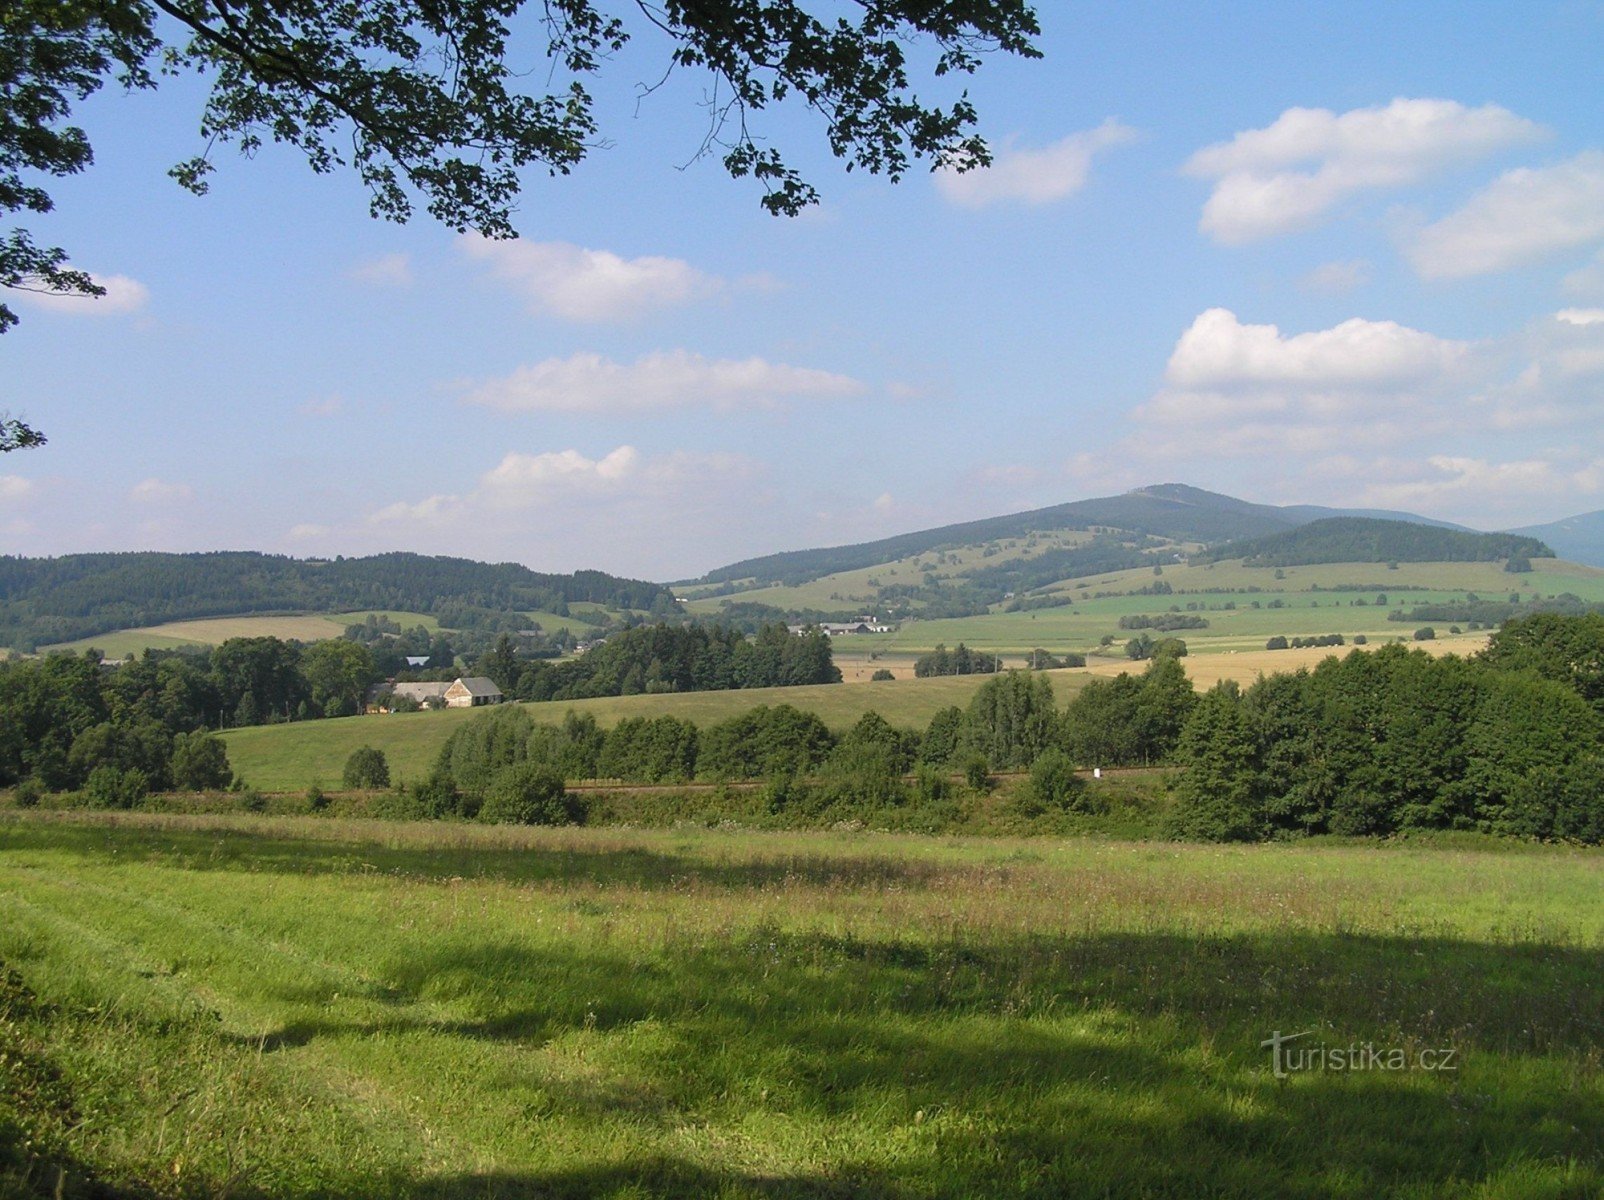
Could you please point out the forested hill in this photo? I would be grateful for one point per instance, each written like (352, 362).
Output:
(1363, 539)
(45, 600)
(1175, 511)
(1167, 510)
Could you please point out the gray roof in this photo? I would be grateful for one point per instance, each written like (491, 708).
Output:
(420, 691)
(478, 685)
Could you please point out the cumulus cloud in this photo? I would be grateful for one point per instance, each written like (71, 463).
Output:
(1289, 175)
(1486, 492)
(387, 270)
(1522, 217)
(158, 491)
(1034, 176)
(1220, 351)
(123, 296)
(669, 380)
(563, 280)
(624, 510)
(14, 487)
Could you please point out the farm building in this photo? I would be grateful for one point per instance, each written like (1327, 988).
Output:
(422, 693)
(472, 691)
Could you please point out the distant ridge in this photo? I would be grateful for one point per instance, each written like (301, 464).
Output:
(1579, 538)
(1367, 539)
(1176, 511)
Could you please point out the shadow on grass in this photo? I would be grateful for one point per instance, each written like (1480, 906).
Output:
(228, 849)
(1124, 1064)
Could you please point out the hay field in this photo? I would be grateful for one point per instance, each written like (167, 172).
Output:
(308, 1008)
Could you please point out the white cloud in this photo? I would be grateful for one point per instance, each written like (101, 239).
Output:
(568, 281)
(123, 296)
(387, 270)
(1034, 176)
(1289, 175)
(668, 380)
(1580, 316)
(14, 487)
(1335, 278)
(1485, 492)
(641, 514)
(157, 491)
(1522, 217)
(1219, 351)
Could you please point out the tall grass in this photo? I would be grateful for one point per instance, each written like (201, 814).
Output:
(289, 1007)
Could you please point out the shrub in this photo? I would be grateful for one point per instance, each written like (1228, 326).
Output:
(316, 798)
(200, 762)
(1425, 634)
(977, 772)
(1359, 639)
(366, 769)
(1276, 643)
(881, 676)
(529, 793)
(1053, 781)
(28, 793)
(113, 787)
(931, 784)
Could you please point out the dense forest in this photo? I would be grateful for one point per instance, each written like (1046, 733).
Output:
(1369, 540)
(49, 600)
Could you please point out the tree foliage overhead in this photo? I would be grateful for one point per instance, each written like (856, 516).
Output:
(429, 101)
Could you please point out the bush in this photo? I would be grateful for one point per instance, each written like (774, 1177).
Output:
(316, 798)
(1276, 643)
(977, 773)
(881, 676)
(200, 762)
(529, 793)
(366, 769)
(28, 793)
(931, 784)
(1053, 781)
(1359, 639)
(113, 787)
(1425, 634)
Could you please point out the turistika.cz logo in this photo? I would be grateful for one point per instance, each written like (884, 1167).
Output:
(1287, 1059)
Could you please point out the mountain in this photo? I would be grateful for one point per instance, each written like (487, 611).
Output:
(1579, 538)
(47, 600)
(1175, 512)
(1368, 540)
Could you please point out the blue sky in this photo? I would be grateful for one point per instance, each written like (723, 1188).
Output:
(1292, 253)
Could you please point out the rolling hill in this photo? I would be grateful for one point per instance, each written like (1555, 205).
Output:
(1369, 540)
(1579, 538)
(1173, 512)
(50, 600)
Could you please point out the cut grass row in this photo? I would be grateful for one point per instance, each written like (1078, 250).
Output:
(303, 1008)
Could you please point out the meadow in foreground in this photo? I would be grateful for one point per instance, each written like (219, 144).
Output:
(295, 1007)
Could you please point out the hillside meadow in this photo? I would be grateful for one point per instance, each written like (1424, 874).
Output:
(314, 1008)
(290, 757)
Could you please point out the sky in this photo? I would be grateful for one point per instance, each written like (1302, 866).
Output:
(1347, 255)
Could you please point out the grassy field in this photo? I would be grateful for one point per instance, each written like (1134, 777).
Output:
(213, 631)
(290, 757)
(311, 1008)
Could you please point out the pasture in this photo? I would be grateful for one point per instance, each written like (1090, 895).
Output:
(290, 757)
(302, 1007)
(213, 631)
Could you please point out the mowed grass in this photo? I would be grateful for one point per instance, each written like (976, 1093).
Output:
(285, 1008)
(291, 757)
(212, 631)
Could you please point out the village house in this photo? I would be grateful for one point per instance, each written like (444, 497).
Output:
(473, 691)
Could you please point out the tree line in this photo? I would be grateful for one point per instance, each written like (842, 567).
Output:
(1371, 539)
(1510, 741)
